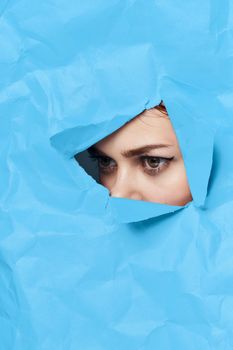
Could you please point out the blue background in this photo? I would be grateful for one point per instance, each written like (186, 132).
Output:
(82, 270)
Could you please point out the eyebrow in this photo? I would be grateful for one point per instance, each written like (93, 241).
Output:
(132, 152)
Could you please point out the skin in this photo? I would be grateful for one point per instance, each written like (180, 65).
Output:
(143, 175)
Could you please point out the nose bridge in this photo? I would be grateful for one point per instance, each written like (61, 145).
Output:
(125, 184)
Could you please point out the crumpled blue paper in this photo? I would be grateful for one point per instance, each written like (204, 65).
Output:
(80, 269)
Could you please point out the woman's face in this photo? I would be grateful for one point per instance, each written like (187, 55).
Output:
(142, 160)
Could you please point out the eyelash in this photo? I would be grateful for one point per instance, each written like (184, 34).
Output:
(142, 159)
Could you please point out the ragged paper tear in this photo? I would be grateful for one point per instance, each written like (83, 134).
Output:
(81, 269)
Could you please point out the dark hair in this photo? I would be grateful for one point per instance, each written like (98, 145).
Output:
(161, 107)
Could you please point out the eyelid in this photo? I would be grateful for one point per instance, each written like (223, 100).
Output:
(99, 156)
(142, 157)
(158, 157)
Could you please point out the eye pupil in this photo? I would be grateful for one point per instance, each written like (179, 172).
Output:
(105, 161)
(153, 162)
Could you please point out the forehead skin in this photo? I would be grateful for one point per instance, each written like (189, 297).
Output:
(149, 127)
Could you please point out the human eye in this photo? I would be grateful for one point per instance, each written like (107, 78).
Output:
(153, 165)
(105, 164)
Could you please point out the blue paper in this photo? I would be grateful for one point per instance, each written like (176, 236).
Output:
(80, 269)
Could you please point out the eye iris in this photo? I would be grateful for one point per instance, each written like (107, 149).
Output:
(153, 162)
(104, 161)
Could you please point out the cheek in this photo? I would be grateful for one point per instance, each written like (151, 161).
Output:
(107, 180)
(180, 191)
(168, 187)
